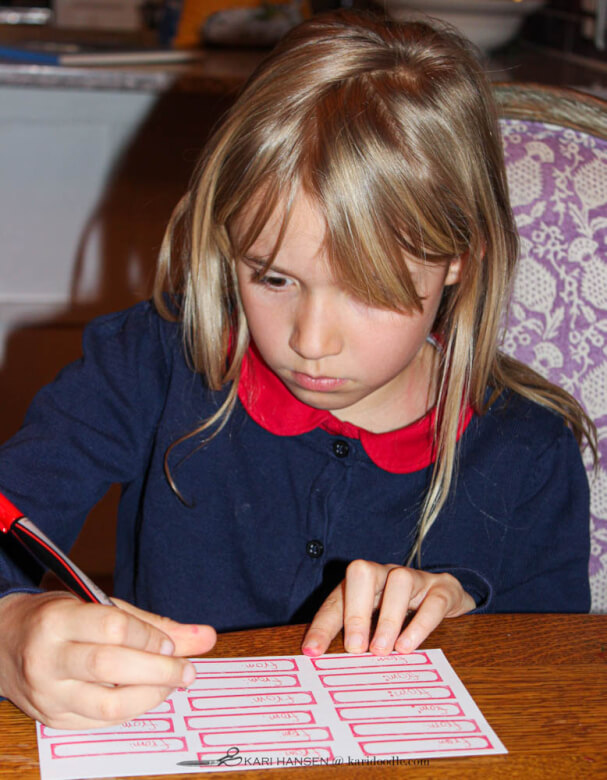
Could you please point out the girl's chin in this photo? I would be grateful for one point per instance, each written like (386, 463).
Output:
(327, 401)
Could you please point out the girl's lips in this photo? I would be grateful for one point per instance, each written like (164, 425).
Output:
(317, 383)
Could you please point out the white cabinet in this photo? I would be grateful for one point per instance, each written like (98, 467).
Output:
(58, 152)
(88, 181)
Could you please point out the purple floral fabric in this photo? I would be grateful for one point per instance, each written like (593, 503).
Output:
(557, 321)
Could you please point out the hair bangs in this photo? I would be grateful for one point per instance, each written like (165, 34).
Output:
(376, 193)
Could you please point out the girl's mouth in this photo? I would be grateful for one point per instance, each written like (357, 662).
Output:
(322, 384)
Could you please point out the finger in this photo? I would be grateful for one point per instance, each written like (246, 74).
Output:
(99, 624)
(326, 624)
(363, 585)
(428, 616)
(187, 638)
(116, 665)
(460, 601)
(398, 589)
(95, 706)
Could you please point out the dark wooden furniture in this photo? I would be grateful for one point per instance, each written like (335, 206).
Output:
(540, 680)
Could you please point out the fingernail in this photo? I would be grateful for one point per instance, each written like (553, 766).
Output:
(355, 643)
(166, 648)
(189, 675)
(404, 646)
(312, 652)
(380, 642)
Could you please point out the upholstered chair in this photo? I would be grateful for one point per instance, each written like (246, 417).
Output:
(555, 143)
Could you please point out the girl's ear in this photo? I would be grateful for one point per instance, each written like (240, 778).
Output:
(454, 270)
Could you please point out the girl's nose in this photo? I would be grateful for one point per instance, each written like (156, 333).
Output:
(315, 333)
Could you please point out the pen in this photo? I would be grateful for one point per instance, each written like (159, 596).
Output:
(13, 523)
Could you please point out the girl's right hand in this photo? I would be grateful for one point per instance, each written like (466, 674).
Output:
(73, 665)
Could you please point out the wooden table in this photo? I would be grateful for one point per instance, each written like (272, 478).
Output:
(540, 680)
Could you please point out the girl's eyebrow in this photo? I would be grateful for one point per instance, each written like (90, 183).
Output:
(260, 263)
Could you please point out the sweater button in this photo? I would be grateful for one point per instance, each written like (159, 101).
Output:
(315, 548)
(341, 448)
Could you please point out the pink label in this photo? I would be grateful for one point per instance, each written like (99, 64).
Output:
(238, 700)
(263, 736)
(115, 747)
(247, 720)
(226, 683)
(425, 745)
(379, 678)
(296, 756)
(349, 661)
(244, 665)
(425, 692)
(398, 710)
(135, 726)
(404, 727)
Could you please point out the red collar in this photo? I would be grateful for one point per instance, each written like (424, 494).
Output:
(276, 409)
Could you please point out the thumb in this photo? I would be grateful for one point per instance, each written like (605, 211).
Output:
(189, 639)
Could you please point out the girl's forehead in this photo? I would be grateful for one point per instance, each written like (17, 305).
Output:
(300, 224)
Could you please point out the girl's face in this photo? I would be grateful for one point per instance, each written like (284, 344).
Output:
(371, 367)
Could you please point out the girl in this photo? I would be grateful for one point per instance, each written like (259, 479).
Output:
(312, 420)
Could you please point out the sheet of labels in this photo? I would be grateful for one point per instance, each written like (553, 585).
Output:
(285, 711)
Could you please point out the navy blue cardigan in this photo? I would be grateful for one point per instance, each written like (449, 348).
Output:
(268, 523)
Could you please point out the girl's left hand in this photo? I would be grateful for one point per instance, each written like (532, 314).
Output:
(396, 590)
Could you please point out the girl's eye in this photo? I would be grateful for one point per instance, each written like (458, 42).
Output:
(271, 281)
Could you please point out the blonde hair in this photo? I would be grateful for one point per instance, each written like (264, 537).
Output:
(391, 129)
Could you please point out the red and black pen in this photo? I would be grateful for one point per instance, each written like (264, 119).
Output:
(48, 555)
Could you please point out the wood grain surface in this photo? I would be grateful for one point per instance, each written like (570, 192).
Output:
(540, 680)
